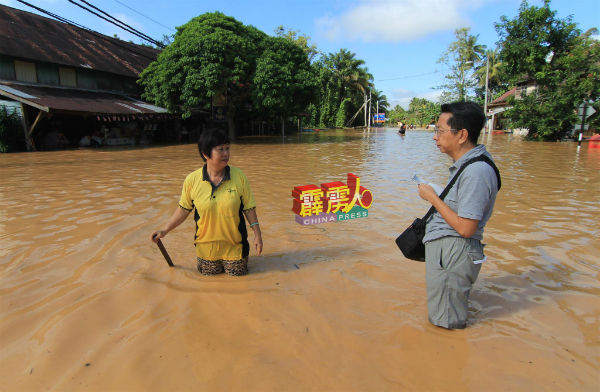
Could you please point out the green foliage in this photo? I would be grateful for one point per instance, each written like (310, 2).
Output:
(216, 55)
(341, 78)
(379, 99)
(342, 113)
(11, 131)
(564, 64)
(461, 57)
(397, 114)
(496, 85)
(300, 40)
(422, 111)
(284, 83)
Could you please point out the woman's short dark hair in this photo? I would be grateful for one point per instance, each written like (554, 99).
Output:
(209, 139)
(466, 115)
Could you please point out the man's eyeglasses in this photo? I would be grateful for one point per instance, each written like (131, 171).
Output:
(438, 131)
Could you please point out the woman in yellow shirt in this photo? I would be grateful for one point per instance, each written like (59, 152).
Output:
(220, 197)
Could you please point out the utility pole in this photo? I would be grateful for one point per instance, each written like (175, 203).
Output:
(377, 112)
(365, 108)
(582, 122)
(369, 109)
(487, 72)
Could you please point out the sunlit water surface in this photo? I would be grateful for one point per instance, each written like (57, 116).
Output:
(88, 302)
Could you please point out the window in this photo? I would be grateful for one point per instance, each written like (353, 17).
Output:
(86, 79)
(25, 71)
(7, 68)
(47, 74)
(68, 77)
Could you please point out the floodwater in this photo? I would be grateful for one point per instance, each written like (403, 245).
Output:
(88, 302)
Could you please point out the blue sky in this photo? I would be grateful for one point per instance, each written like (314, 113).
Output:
(400, 40)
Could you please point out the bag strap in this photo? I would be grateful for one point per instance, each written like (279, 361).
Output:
(478, 158)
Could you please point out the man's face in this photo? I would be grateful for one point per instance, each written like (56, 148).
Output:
(446, 139)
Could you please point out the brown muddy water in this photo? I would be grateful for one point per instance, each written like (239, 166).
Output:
(88, 302)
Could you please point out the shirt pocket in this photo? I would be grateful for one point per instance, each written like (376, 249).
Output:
(229, 203)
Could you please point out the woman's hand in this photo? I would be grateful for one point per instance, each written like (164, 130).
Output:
(157, 235)
(258, 244)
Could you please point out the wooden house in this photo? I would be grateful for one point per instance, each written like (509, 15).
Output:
(69, 82)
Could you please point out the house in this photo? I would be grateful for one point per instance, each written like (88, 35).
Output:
(69, 83)
(496, 120)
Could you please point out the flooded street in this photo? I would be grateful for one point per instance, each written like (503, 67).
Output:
(88, 303)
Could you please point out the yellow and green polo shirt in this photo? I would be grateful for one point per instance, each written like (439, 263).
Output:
(220, 225)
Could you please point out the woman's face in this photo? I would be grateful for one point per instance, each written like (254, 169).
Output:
(219, 157)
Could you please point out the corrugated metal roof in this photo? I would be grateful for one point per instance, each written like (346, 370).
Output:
(77, 101)
(501, 100)
(35, 37)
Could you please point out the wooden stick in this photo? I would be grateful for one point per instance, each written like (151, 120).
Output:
(164, 252)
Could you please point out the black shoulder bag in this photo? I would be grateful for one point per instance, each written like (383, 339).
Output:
(410, 241)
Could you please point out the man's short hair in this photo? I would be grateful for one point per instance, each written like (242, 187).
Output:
(209, 139)
(467, 115)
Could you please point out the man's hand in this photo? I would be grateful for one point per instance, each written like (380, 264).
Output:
(427, 193)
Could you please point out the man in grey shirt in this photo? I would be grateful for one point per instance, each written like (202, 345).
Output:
(453, 249)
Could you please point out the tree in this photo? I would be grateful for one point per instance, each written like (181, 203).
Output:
(461, 57)
(495, 82)
(422, 111)
(300, 40)
(397, 114)
(212, 54)
(379, 99)
(564, 64)
(343, 82)
(284, 82)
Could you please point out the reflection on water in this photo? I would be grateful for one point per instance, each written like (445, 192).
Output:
(331, 306)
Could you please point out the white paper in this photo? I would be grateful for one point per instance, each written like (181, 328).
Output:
(438, 189)
(480, 261)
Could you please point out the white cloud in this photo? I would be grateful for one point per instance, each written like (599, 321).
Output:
(396, 20)
(402, 97)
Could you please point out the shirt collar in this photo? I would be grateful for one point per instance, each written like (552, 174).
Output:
(205, 176)
(475, 151)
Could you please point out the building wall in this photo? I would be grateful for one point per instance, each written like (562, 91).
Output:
(22, 70)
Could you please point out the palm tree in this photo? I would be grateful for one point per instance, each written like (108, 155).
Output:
(494, 83)
(352, 80)
(462, 56)
(379, 98)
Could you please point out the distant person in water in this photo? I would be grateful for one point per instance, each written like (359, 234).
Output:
(221, 197)
(453, 234)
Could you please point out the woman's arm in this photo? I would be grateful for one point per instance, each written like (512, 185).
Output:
(176, 219)
(253, 222)
(464, 226)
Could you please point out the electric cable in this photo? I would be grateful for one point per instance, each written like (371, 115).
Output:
(408, 76)
(126, 26)
(90, 31)
(121, 25)
(147, 17)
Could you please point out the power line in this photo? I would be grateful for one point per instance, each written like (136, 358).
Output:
(90, 31)
(147, 17)
(127, 27)
(408, 76)
(117, 23)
